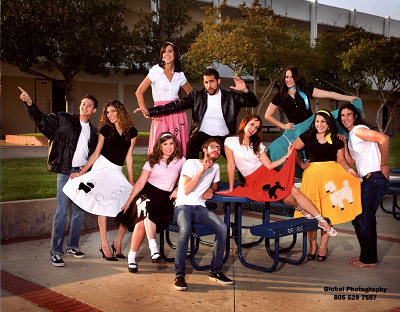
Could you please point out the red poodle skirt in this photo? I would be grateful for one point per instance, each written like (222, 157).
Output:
(266, 185)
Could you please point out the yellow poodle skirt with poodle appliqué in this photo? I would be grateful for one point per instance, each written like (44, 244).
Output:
(333, 191)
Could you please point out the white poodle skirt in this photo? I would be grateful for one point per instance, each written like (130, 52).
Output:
(101, 191)
(333, 191)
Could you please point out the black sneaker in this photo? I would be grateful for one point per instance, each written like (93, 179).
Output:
(57, 261)
(180, 283)
(220, 277)
(75, 252)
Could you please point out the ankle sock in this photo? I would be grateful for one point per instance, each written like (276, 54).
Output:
(132, 256)
(153, 246)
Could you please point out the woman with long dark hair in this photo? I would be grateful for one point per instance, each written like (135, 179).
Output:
(166, 78)
(104, 189)
(328, 180)
(294, 99)
(149, 207)
(246, 152)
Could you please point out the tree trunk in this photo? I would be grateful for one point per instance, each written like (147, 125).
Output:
(69, 96)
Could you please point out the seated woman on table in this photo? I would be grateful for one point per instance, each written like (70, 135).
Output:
(328, 180)
(246, 152)
(156, 185)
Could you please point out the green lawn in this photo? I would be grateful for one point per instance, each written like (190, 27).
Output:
(28, 178)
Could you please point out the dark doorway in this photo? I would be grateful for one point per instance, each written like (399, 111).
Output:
(58, 98)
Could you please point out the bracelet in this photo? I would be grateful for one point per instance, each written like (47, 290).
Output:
(349, 170)
(286, 157)
(384, 165)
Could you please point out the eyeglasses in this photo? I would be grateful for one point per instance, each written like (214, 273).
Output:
(215, 147)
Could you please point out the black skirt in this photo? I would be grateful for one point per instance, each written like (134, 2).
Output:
(160, 209)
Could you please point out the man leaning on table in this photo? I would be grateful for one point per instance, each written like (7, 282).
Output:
(197, 183)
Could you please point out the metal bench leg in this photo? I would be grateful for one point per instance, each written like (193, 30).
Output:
(394, 207)
(285, 249)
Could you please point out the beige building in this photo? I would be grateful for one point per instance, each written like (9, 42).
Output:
(311, 16)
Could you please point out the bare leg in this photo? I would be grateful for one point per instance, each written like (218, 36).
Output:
(102, 220)
(323, 250)
(312, 238)
(299, 199)
(151, 228)
(118, 239)
(138, 236)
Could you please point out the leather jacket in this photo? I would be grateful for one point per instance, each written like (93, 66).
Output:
(196, 100)
(62, 130)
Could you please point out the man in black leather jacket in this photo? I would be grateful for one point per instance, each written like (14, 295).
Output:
(72, 139)
(214, 110)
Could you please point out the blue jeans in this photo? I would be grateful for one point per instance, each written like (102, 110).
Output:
(372, 192)
(185, 215)
(60, 219)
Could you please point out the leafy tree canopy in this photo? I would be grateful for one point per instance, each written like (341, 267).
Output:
(330, 74)
(70, 36)
(259, 44)
(168, 23)
(380, 60)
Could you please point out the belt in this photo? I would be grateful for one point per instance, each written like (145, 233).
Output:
(77, 168)
(372, 174)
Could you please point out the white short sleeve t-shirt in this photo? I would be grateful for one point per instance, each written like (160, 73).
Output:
(162, 88)
(190, 169)
(213, 121)
(82, 148)
(245, 160)
(366, 154)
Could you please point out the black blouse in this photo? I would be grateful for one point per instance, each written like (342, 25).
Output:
(116, 147)
(295, 108)
(316, 151)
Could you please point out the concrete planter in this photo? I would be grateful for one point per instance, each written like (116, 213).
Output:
(43, 141)
(34, 217)
(27, 140)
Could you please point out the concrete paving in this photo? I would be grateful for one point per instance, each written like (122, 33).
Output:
(310, 286)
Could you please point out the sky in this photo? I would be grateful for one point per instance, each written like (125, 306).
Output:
(375, 7)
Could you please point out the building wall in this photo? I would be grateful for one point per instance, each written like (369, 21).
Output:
(14, 118)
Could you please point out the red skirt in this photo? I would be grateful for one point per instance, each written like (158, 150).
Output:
(265, 185)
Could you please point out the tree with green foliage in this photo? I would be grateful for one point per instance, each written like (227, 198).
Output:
(167, 23)
(380, 60)
(330, 73)
(259, 44)
(69, 36)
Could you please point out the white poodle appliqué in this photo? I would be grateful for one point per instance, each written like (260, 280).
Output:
(141, 206)
(337, 197)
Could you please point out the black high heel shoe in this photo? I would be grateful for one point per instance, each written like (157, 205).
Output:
(312, 257)
(322, 258)
(107, 258)
(120, 256)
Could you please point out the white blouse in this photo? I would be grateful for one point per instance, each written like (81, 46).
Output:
(162, 88)
(245, 159)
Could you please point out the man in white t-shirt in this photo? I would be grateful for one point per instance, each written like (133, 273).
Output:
(197, 183)
(72, 138)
